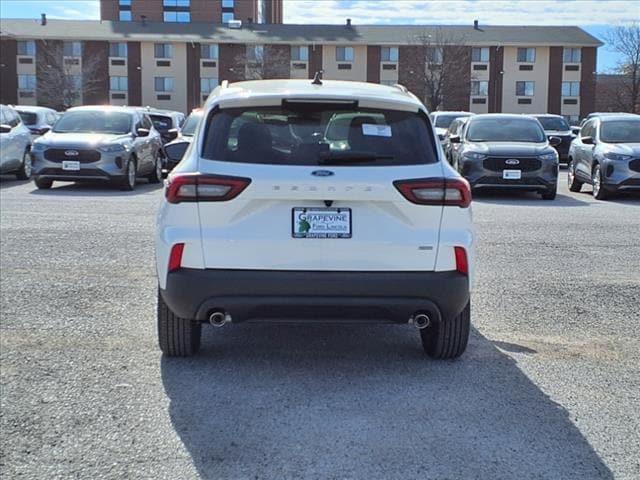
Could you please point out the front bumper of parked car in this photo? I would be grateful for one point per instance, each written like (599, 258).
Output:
(620, 175)
(94, 164)
(535, 174)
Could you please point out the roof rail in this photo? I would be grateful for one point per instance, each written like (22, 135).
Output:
(224, 84)
(402, 88)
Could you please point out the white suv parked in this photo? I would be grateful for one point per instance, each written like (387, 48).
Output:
(314, 202)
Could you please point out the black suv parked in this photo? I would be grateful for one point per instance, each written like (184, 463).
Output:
(557, 126)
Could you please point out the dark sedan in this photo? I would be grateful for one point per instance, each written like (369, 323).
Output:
(508, 151)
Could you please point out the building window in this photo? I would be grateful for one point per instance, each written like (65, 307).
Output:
(163, 50)
(480, 89)
(118, 84)
(480, 54)
(163, 84)
(389, 54)
(255, 53)
(209, 51)
(207, 84)
(26, 82)
(118, 50)
(124, 12)
(570, 89)
(177, 11)
(228, 3)
(434, 55)
(72, 49)
(527, 55)
(571, 55)
(344, 54)
(27, 48)
(300, 54)
(525, 89)
(227, 17)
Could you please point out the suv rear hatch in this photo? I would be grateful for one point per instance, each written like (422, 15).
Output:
(310, 186)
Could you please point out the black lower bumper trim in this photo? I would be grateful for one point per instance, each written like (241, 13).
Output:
(316, 295)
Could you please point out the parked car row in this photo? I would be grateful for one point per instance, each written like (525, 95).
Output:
(514, 151)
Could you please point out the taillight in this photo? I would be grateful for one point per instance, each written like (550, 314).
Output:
(175, 257)
(462, 264)
(436, 191)
(196, 187)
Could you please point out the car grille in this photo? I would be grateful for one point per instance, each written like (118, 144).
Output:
(497, 164)
(84, 156)
(498, 181)
(635, 165)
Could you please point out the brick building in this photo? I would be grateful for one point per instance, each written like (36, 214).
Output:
(171, 53)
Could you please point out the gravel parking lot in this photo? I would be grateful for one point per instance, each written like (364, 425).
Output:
(549, 387)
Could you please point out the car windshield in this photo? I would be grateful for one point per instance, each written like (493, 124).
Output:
(505, 130)
(443, 121)
(190, 124)
(161, 122)
(620, 131)
(314, 134)
(554, 123)
(94, 121)
(28, 118)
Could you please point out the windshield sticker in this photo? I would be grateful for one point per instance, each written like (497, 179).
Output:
(376, 130)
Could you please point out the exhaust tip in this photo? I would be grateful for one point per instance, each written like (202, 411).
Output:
(421, 320)
(219, 319)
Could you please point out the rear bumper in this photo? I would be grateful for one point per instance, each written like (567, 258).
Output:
(323, 296)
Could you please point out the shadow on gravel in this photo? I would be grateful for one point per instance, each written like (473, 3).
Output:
(94, 189)
(525, 199)
(9, 181)
(353, 402)
(624, 198)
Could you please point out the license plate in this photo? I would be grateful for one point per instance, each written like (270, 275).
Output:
(67, 165)
(321, 222)
(512, 174)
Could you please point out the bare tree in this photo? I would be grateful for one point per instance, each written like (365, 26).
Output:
(260, 62)
(445, 78)
(625, 40)
(63, 80)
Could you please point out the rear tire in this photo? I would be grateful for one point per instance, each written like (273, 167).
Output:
(572, 181)
(177, 337)
(24, 173)
(447, 338)
(43, 183)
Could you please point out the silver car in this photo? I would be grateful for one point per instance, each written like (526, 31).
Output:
(15, 144)
(113, 144)
(38, 120)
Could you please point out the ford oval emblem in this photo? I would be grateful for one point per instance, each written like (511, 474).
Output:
(71, 153)
(512, 161)
(322, 173)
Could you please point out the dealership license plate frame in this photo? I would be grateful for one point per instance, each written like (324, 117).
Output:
(322, 235)
(71, 165)
(512, 174)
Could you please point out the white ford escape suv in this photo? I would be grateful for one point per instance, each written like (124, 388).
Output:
(314, 202)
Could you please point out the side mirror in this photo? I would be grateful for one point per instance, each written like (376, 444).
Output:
(555, 141)
(454, 138)
(172, 134)
(142, 132)
(575, 130)
(587, 140)
(5, 128)
(175, 151)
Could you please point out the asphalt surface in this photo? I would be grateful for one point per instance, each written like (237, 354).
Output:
(548, 388)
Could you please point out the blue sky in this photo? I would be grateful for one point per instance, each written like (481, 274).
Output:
(595, 16)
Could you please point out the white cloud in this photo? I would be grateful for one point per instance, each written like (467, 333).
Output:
(80, 10)
(501, 12)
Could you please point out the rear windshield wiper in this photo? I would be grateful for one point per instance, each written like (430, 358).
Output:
(334, 158)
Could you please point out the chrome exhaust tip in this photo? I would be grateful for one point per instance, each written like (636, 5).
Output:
(219, 319)
(421, 320)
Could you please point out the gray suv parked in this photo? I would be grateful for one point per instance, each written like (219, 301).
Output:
(606, 155)
(508, 151)
(15, 143)
(114, 144)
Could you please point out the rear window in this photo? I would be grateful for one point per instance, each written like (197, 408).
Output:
(28, 118)
(318, 134)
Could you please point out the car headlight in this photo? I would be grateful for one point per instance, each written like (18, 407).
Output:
(474, 156)
(39, 147)
(617, 156)
(112, 148)
(548, 156)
